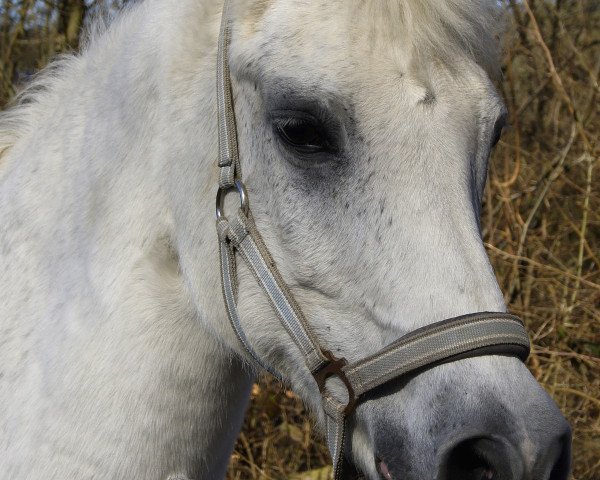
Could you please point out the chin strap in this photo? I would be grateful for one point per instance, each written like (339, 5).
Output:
(483, 333)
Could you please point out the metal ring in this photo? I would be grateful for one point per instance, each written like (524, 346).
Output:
(334, 368)
(222, 192)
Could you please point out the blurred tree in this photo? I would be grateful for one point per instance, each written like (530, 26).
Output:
(72, 14)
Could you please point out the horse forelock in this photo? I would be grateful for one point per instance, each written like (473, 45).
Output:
(440, 29)
(431, 28)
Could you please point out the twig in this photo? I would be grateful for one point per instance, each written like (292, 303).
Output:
(556, 77)
(512, 256)
(579, 393)
(584, 224)
(556, 353)
(553, 176)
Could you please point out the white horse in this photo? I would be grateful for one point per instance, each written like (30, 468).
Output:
(365, 127)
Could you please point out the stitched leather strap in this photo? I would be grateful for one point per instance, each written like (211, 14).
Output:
(441, 341)
(228, 148)
(243, 237)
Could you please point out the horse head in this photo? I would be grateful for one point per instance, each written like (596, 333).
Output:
(364, 134)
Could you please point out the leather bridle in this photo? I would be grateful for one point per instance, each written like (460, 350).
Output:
(482, 333)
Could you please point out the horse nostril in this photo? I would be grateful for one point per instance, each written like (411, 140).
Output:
(480, 459)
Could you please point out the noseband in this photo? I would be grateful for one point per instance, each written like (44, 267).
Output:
(483, 333)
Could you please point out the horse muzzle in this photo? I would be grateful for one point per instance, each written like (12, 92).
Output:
(448, 426)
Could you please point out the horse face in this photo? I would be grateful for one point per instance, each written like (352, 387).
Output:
(365, 156)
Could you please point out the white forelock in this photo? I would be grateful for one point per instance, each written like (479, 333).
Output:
(441, 27)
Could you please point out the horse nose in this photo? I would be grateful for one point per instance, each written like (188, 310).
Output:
(485, 458)
(473, 430)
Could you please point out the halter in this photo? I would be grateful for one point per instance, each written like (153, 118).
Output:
(483, 333)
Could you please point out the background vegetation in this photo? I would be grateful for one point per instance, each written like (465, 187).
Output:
(541, 218)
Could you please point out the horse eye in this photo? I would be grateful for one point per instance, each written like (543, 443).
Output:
(305, 135)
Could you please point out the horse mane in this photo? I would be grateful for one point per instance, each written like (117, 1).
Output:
(19, 118)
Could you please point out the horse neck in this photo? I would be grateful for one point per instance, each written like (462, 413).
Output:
(87, 196)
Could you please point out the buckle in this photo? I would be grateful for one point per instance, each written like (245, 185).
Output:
(333, 368)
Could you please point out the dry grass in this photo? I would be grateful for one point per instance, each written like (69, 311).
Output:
(541, 222)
